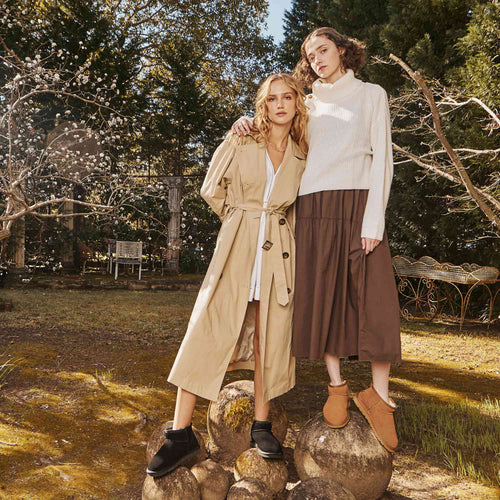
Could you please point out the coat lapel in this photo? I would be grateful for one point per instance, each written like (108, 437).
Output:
(291, 165)
(261, 167)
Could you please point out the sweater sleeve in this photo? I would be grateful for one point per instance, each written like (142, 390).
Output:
(213, 190)
(381, 171)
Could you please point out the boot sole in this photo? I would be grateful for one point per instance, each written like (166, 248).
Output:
(362, 409)
(163, 472)
(266, 454)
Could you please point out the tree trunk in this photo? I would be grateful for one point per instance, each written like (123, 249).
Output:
(68, 255)
(78, 194)
(19, 241)
(174, 241)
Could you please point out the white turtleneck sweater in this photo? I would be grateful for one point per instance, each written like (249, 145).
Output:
(350, 146)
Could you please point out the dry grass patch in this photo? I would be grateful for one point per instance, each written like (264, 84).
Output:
(146, 315)
(76, 413)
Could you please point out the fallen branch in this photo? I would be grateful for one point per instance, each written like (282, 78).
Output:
(8, 444)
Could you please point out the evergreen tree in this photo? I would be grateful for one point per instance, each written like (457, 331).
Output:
(455, 42)
(298, 22)
(480, 76)
(178, 112)
(424, 33)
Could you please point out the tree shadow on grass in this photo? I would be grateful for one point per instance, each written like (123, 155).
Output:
(105, 445)
(426, 328)
(97, 438)
(421, 377)
(143, 418)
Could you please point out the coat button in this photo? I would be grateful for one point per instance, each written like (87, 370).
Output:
(286, 255)
(282, 222)
(288, 290)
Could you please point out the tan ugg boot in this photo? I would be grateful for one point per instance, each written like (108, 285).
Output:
(380, 416)
(335, 410)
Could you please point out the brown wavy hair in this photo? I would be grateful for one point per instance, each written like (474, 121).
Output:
(354, 56)
(261, 122)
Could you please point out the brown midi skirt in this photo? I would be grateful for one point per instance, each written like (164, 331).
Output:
(346, 302)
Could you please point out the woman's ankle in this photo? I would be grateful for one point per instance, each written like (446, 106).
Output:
(337, 383)
(261, 416)
(181, 424)
(383, 393)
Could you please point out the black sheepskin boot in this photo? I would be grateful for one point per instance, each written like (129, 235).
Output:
(263, 439)
(179, 446)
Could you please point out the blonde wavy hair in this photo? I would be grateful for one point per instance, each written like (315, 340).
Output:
(261, 122)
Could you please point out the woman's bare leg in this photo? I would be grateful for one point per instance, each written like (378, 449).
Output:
(261, 408)
(333, 367)
(184, 408)
(380, 378)
(180, 442)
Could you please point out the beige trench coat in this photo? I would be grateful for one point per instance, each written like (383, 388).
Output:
(221, 328)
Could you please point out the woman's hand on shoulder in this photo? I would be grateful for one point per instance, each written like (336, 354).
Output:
(242, 126)
(369, 244)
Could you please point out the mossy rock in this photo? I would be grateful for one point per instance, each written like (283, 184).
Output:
(213, 480)
(271, 472)
(238, 414)
(351, 456)
(230, 418)
(180, 484)
(320, 488)
(249, 489)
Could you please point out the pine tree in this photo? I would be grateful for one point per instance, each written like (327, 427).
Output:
(299, 21)
(480, 76)
(455, 42)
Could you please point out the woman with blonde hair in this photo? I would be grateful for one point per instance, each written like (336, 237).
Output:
(242, 317)
(346, 297)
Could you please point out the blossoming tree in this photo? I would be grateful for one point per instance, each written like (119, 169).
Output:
(60, 165)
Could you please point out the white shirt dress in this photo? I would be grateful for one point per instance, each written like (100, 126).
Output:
(257, 267)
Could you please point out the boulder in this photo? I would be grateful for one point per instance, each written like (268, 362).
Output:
(249, 489)
(271, 472)
(180, 484)
(320, 488)
(158, 438)
(213, 480)
(230, 418)
(352, 456)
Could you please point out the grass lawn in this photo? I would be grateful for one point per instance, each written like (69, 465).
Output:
(90, 385)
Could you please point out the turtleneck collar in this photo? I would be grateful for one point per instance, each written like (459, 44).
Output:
(331, 92)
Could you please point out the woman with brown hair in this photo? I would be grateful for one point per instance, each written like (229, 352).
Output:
(242, 317)
(346, 297)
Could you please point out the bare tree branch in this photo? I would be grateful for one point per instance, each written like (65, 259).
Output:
(465, 180)
(435, 169)
(452, 102)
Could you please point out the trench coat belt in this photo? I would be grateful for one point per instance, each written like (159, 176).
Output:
(273, 245)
